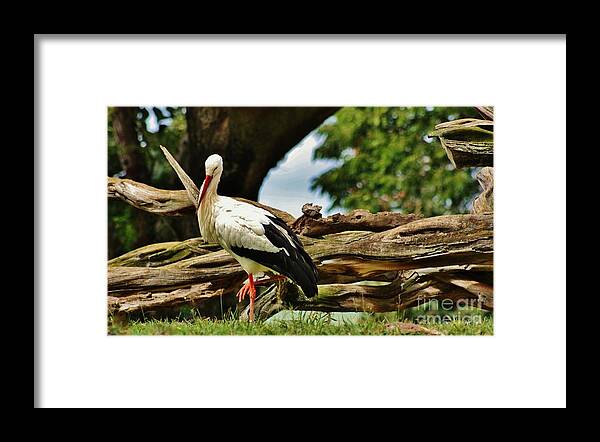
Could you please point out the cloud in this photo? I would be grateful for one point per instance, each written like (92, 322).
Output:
(287, 186)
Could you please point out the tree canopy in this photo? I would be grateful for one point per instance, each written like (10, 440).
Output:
(388, 163)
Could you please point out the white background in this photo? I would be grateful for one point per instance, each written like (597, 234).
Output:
(523, 365)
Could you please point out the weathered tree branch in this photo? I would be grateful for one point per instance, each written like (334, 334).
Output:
(468, 142)
(161, 254)
(203, 297)
(487, 112)
(392, 297)
(150, 199)
(484, 203)
(312, 224)
(166, 202)
(178, 203)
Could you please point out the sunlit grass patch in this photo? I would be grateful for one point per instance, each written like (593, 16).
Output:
(307, 323)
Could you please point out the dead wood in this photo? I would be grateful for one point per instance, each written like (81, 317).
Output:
(484, 203)
(167, 202)
(312, 224)
(468, 142)
(443, 253)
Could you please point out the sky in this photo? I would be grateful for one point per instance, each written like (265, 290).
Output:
(287, 186)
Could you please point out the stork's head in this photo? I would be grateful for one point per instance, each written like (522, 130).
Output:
(214, 168)
(213, 165)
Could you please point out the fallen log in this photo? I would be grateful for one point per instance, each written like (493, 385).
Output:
(124, 281)
(389, 298)
(449, 240)
(210, 299)
(430, 242)
(312, 224)
(162, 254)
(172, 304)
(400, 294)
(444, 253)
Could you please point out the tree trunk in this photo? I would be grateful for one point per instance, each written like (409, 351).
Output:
(130, 154)
(251, 140)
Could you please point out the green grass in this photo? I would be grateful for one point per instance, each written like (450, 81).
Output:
(312, 323)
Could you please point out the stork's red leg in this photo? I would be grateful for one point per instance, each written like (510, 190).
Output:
(248, 287)
(252, 296)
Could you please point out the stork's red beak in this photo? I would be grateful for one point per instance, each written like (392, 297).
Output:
(204, 187)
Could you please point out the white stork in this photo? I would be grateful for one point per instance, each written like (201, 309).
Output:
(260, 241)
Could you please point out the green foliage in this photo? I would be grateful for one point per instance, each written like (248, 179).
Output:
(387, 162)
(169, 134)
(121, 226)
(154, 126)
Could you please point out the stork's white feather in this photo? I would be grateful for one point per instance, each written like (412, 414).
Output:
(239, 224)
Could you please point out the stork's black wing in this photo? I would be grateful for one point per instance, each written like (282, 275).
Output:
(292, 261)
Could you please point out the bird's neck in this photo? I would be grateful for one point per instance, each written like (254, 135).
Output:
(206, 211)
(208, 202)
(209, 199)
(211, 192)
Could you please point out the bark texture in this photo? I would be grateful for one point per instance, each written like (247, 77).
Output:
(484, 203)
(312, 224)
(166, 202)
(468, 142)
(124, 123)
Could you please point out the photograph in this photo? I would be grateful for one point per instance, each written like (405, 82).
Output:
(300, 220)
